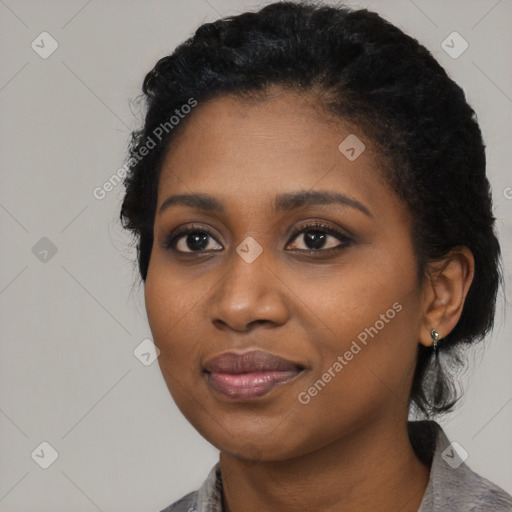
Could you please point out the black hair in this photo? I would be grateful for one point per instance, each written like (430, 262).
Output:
(367, 72)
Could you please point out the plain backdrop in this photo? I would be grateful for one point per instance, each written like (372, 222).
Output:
(71, 315)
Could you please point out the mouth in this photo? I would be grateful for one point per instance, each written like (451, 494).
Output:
(249, 375)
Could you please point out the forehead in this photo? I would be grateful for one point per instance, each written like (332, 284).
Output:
(241, 150)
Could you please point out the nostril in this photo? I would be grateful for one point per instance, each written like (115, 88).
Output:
(257, 322)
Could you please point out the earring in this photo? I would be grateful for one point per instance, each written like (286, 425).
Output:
(435, 337)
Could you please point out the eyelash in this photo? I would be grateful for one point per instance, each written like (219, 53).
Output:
(344, 239)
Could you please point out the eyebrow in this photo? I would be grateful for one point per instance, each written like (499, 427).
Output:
(283, 202)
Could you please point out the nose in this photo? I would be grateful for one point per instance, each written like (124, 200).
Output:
(248, 295)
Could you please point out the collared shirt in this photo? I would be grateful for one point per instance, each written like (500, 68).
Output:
(452, 485)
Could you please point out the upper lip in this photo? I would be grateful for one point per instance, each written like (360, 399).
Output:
(253, 361)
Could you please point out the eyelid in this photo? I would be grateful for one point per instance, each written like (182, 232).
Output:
(344, 237)
(171, 239)
(339, 233)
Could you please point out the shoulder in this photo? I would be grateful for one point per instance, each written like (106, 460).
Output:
(208, 498)
(476, 493)
(185, 504)
(453, 485)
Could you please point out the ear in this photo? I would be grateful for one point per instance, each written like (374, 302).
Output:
(445, 289)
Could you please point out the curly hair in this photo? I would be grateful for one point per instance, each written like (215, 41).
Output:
(366, 71)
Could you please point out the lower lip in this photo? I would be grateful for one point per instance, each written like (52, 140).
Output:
(247, 386)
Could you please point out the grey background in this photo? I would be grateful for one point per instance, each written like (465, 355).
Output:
(70, 322)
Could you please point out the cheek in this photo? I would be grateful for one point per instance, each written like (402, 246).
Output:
(370, 317)
(171, 306)
(347, 300)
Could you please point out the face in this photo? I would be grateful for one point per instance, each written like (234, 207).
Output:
(265, 262)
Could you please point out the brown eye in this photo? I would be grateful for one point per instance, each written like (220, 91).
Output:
(316, 237)
(192, 240)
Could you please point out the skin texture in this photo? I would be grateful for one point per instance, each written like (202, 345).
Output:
(346, 449)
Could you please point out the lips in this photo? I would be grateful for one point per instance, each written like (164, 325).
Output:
(254, 361)
(249, 375)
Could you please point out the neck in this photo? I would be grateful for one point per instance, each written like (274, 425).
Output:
(371, 469)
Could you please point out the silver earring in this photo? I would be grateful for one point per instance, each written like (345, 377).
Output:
(435, 337)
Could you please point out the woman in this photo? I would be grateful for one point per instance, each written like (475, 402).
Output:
(316, 239)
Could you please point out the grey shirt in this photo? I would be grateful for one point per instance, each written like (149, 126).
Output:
(452, 485)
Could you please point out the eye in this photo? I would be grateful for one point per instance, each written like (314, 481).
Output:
(316, 236)
(192, 239)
